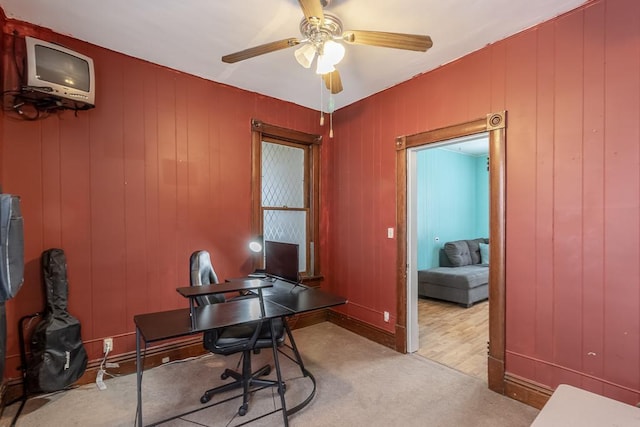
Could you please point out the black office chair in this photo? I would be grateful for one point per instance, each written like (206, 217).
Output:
(245, 338)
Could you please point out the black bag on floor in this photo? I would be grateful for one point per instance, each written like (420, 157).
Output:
(58, 357)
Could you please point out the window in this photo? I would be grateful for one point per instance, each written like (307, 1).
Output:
(285, 190)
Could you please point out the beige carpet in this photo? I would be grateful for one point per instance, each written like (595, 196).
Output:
(359, 383)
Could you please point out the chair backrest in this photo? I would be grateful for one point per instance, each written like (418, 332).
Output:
(202, 273)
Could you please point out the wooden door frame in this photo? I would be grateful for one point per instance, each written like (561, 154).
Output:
(494, 125)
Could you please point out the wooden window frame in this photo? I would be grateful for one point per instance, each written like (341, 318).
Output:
(261, 131)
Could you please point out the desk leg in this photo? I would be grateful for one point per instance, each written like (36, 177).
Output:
(294, 347)
(138, 378)
(304, 371)
(278, 373)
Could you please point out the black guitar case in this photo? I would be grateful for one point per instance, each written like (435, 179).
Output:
(58, 357)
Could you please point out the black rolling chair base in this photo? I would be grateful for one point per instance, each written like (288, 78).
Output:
(247, 382)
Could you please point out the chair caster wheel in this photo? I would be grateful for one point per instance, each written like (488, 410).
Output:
(205, 398)
(243, 410)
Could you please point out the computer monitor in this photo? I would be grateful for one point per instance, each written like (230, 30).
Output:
(281, 260)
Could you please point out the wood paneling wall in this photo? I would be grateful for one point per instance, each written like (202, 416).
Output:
(162, 165)
(571, 88)
(160, 168)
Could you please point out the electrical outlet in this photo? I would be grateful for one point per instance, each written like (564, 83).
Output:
(107, 345)
(386, 316)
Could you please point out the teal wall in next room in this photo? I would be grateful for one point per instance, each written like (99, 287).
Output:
(452, 200)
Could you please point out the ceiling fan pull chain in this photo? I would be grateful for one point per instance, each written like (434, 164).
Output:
(321, 102)
(331, 107)
(331, 125)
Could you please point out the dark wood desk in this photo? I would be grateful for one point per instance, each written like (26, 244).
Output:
(278, 299)
(165, 325)
(223, 288)
(242, 285)
(299, 299)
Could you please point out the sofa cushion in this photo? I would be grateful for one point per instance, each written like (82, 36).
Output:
(458, 253)
(474, 249)
(443, 258)
(466, 277)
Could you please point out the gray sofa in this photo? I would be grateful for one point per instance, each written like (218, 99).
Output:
(463, 275)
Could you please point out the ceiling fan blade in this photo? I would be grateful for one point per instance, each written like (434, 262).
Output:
(333, 82)
(312, 10)
(260, 50)
(393, 40)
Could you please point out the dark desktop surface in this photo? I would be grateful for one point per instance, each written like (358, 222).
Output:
(299, 298)
(164, 324)
(281, 298)
(176, 323)
(293, 295)
(242, 284)
(264, 278)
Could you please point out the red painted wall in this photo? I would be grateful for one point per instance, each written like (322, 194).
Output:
(571, 87)
(160, 168)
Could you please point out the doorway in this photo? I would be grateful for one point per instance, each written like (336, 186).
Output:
(451, 181)
(494, 125)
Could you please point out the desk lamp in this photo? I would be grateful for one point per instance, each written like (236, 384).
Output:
(256, 246)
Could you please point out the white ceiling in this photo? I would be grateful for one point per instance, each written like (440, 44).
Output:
(192, 35)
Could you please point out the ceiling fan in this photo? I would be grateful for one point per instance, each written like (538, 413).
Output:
(321, 36)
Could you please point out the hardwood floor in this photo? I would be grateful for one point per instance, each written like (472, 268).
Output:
(455, 336)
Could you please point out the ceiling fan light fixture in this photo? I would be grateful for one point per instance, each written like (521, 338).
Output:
(322, 35)
(305, 54)
(334, 52)
(324, 65)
